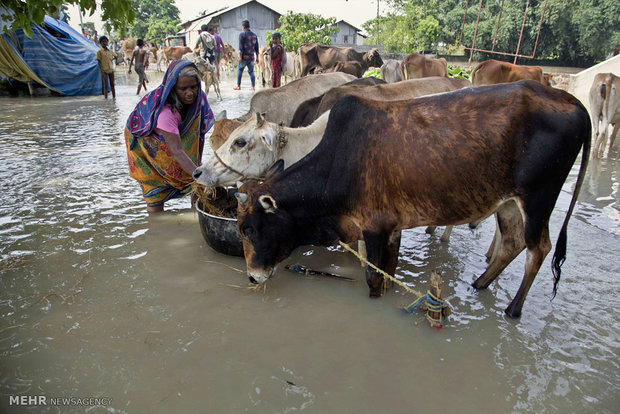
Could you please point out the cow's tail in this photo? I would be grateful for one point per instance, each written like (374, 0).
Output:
(559, 256)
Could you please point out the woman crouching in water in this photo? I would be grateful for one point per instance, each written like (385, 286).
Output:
(165, 135)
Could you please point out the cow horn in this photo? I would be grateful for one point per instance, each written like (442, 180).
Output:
(239, 184)
(242, 198)
(260, 119)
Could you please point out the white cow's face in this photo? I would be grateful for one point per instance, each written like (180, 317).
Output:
(249, 151)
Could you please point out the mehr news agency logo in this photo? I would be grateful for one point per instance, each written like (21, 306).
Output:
(41, 400)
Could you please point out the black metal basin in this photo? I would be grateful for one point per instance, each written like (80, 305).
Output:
(221, 233)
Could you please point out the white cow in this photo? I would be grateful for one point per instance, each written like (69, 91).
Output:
(254, 146)
(291, 69)
(392, 71)
(605, 111)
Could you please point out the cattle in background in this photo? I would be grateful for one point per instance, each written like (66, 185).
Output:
(387, 166)
(392, 71)
(127, 47)
(315, 56)
(416, 66)
(491, 72)
(351, 67)
(264, 66)
(229, 58)
(172, 53)
(157, 57)
(605, 111)
(291, 69)
(207, 73)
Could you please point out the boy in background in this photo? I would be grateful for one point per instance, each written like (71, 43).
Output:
(142, 62)
(105, 59)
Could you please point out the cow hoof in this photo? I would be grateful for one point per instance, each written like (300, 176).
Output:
(478, 285)
(375, 293)
(512, 314)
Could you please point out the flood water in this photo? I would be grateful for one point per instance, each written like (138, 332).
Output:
(98, 299)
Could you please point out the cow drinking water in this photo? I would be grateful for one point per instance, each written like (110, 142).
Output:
(438, 160)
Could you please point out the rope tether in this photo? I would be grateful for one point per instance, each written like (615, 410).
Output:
(433, 304)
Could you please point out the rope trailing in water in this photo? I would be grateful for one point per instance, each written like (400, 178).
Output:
(433, 304)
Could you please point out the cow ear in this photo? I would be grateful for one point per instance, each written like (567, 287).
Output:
(242, 198)
(221, 115)
(260, 119)
(268, 141)
(277, 167)
(268, 203)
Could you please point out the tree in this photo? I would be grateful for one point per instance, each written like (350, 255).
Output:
(26, 14)
(155, 20)
(298, 28)
(576, 32)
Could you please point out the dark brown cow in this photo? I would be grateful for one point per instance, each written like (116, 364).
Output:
(387, 92)
(172, 53)
(354, 68)
(437, 160)
(419, 66)
(491, 72)
(316, 56)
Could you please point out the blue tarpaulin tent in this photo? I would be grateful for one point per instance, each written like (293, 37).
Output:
(59, 57)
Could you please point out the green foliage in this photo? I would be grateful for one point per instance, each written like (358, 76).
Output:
(26, 14)
(155, 20)
(573, 31)
(458, 72)
(411, 29)
(376, 72)
(298, 28)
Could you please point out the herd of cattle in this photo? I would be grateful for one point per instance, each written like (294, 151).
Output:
(331, 157)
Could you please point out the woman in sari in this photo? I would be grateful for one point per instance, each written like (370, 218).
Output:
(165, 135)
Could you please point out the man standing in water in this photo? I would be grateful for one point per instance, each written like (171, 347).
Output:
(105, 59)
(142, 62)
(248, 47)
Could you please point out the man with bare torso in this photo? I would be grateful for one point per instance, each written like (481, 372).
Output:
(140, 54)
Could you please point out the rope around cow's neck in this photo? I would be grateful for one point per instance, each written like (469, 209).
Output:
(281, 141)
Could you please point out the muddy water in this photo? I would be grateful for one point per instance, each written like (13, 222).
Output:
(100, 300)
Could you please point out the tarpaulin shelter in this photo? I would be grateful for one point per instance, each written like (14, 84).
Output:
(57, 57)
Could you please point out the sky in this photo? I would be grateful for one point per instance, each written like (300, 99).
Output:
(355, 12)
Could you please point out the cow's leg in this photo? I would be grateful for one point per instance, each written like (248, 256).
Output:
(601, 142)
(445, 237)
(536, 253)
(509, 244)
(430, 229)
(393, 250)
(492, 252)
(612, 136)
(379, 254)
